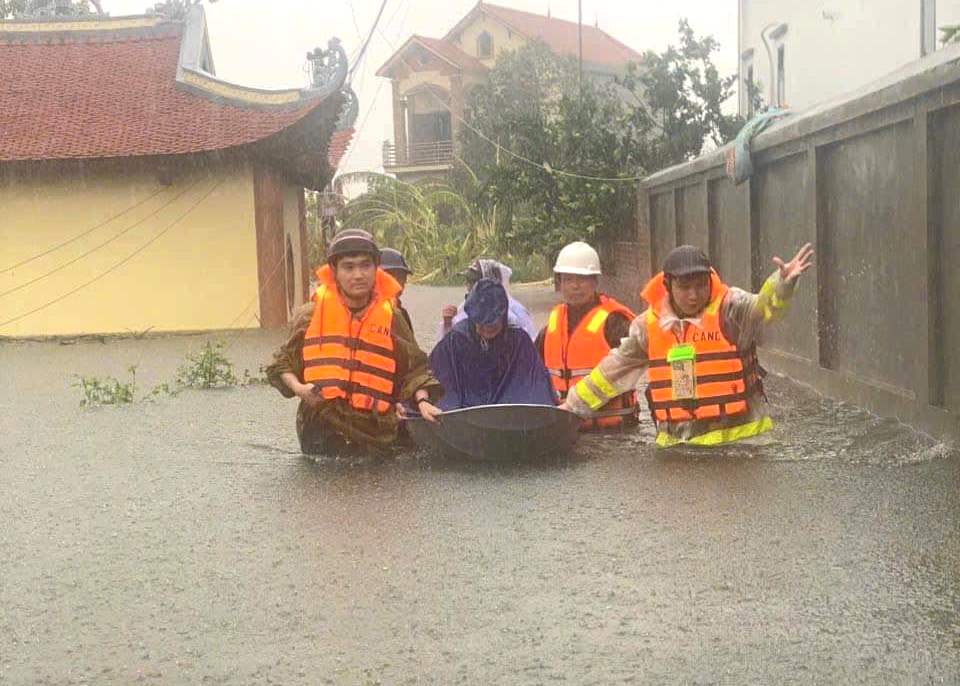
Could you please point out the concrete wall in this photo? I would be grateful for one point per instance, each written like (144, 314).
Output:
(197, 273)
(872, 183)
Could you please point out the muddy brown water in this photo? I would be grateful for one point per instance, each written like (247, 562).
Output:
(187, 541)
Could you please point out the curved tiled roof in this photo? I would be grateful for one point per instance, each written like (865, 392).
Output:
(123, 91)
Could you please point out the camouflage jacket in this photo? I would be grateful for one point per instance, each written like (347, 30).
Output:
(367, 429)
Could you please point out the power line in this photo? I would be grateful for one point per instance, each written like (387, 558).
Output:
(84, 233)
(366, 44)
(106, 242)
(373, 102)
(118, 264)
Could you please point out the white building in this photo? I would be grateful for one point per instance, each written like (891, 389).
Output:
(802, 53)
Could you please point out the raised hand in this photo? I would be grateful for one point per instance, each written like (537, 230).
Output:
(801, 262)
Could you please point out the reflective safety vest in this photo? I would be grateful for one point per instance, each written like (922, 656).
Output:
(701, 375)
(350, 357)
(570, 357)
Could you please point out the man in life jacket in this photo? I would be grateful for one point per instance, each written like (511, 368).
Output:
(582, 330)
(351, 357)
(697, 344)
(392, 262)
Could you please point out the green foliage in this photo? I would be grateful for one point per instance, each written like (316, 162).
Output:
(436, 226)
(173, 9)
(950, 34)
(209, 368)
(678, 95)
(20, 9)
(534, 107)
(316, 246)
(107, 390)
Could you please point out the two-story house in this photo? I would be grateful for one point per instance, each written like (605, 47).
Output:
(431, 76)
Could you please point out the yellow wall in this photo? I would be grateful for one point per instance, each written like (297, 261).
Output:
(420, 78)
(200, 274)
(502, 38)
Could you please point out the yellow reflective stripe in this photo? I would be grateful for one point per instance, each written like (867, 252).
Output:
(321, 290)
(387, 306)
(588, 397)
(719, 436)
(598, 319)
(552, 322)
(651, 316)
(600, 381)
(772, 303)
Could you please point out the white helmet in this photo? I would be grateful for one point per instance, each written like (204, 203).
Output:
(577, 258)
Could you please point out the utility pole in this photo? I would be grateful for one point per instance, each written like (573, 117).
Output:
(580, 46)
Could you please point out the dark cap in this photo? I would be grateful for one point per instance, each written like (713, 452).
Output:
(351, 241)
(487, 303)
(392, 260)
(686, 259)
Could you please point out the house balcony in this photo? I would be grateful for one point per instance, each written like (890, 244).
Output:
(427, 156)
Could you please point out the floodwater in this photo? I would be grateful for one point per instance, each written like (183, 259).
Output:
(185, 541)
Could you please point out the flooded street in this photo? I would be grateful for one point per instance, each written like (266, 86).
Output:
(186, 540)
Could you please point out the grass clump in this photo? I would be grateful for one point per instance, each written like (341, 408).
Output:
(107, 390)
(209, 368)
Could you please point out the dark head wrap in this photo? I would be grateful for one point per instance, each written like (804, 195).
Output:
(487, 303)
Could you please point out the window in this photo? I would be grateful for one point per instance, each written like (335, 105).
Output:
(781, 78)
(484, 45)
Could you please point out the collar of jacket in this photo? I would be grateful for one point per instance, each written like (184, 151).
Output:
(385, 287)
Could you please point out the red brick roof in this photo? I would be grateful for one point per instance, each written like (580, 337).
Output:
(599, 47)
(339, 143)
(115, 94)
(444, 49)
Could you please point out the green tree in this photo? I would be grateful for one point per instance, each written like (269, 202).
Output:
(436, 227)
(677, 98)
(950, 34)
(174, 9)
(21, 9)
(531, 107)
(552, 156)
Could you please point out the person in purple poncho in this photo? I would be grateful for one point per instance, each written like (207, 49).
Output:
(483, 361)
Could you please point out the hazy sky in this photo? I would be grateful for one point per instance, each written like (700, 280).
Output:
(264, 42)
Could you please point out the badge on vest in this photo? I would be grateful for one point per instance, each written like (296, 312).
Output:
(682, 360)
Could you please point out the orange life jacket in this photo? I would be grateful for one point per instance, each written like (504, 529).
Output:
(724, 375)
(352, 357)
(570, 357)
